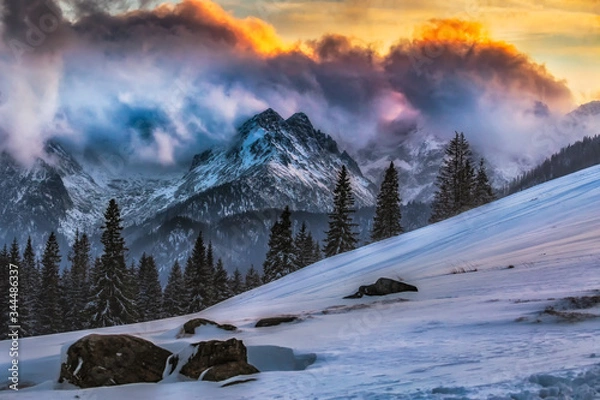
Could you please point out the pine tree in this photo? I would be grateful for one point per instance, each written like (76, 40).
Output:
(341, 236)
(253, 279)
(150, 292)
(281, 256)
(210, 268)
(175, 299)
(455, 181)
(77, 283)
(317, 254)
(210, 257)
(467, 187)
(29, 280)
(48, 306)
(483, 192)
(133, 288)
(112, 301)
(236, 284)
(304, 245)
(221, 283)
(199, 278)
(15, 253)
(65, 301)
(386, 223)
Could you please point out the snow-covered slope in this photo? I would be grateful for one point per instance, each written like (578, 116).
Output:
(504, 331)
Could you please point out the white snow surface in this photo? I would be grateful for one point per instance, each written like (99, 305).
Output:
(477, 335)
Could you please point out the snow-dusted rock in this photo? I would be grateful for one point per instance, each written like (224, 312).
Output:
(107, 360)
(216, 360)
(189, 328)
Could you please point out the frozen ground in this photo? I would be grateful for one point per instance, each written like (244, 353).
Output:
(493, 333)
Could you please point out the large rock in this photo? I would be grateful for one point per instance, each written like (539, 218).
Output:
(382, 287)
(218, 360)
(189, 328)
(106, 360)
(273, 321)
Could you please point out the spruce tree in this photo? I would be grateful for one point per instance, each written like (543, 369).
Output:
(221, 286)
(29, 287)
(112, 298)
(386, 223)
(199, 277)
(341, 236)
(15, 253)
(77, 283)
(236, 284)
(150, 292)
(253, 279)
(455, 181)
(304, 245)
(65, 299)
(133, 288)
(48, 307)
(317, 254)
(174, 298)
(483, 192)
(281, 256)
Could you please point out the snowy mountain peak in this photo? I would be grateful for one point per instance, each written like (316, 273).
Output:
(277, 162)
(588, 109)
(300, 119)
(268, 119)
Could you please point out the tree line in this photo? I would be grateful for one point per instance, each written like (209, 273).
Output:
(106, 291)
(287, 254)
(575, 157)
(460, 187)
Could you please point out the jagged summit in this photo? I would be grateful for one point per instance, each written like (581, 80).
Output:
(268, 119)
(300, 119)
(588, 109)
(278, 162)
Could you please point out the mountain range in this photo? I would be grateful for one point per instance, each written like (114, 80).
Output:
(232, 193)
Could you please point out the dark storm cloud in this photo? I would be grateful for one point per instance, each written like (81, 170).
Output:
(190, 73)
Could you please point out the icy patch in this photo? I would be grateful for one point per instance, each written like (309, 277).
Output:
(582, 386)
(275, 358)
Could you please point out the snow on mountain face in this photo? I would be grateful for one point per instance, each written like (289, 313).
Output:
(495, 333)
(31, 199)
(417, 159)
(275, 162)
(271, 163)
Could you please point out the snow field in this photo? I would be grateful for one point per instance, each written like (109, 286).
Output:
(485, 334)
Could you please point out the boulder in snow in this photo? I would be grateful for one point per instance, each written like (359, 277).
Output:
(273, 321)
(217, 360)
(382, 287)
(189, 327)
(106, 360)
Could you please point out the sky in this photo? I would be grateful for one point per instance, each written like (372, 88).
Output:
(160, 81)
(563, 35)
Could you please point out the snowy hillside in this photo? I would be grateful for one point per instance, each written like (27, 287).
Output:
(524, 325)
